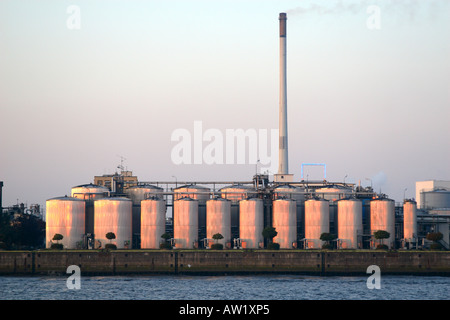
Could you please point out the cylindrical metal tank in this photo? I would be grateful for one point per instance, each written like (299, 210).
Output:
(410, 220)
(288, 191)
(350, 223)
(334, 193)
(251, 223)
(185, 223)
(298, 194)
(218, 220)
(140, 192)
(436, 199)
(236, 193)
(89, 192)
(284, 220)
(201, 194)
(153, 222)
(317, 221)
(113, 215)
(382, 217)
(65, 216)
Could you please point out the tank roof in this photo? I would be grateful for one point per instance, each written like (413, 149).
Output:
(186, 199)
(145, 186)
(239, 186)
(65, 198)
(191, 186)
(114, 199)
(90, 185)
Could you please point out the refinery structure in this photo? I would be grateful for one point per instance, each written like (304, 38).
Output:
(192, 212)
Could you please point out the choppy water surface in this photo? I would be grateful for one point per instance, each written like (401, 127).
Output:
(261, 287)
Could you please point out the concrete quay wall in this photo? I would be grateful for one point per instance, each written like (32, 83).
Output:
(316, 262)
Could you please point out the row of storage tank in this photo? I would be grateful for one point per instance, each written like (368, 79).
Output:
(235, 212)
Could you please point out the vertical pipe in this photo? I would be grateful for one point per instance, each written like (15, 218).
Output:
(283, 136)
(1, 196)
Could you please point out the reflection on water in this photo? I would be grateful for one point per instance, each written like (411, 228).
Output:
(260, 287)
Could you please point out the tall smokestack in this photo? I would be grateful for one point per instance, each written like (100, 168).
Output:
(283, 168)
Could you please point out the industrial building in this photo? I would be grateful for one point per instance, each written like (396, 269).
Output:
(192, 213)
(139, 213)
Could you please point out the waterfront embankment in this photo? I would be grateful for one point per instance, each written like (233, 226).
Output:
(315, 262)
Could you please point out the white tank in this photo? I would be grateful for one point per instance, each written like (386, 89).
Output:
(333, 193)
(218, 220)
(139, 193)
(196, 192)
(410, 220)
(251, 223)
(65, 216)
(288, 191)
(89, 192)
(153, 222)
(185, 223)
(349, 223)
(317, 221)
(382, 217)
(237, 192)
(113, 215)
(284, 220)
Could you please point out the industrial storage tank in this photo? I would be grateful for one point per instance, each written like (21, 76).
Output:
(289, 191)
(193, 191)
(298, 194)
(89, 192)
(350, 224)
(65, 216)
(410, 220)
(435, 199)
(334, 192)
(185, 223)
(284, 220)
(138, 194)
(317, 221)
(201, 194)
(251, 223)
(218, 220)
(141, 192)
(113, 215)
(382, 217)
(235, 193)
(153, 222)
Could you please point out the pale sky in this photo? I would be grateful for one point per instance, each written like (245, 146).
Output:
(369, 103)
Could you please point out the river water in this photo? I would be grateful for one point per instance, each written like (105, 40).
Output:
(257, 287)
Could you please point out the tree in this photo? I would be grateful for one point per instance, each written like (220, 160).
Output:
(57, 237)
(435, 237)
(166, 244)
(270, 233)
(110, 236)
(217, 237)
(327, 237)
(217, 246)
(381, 235)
